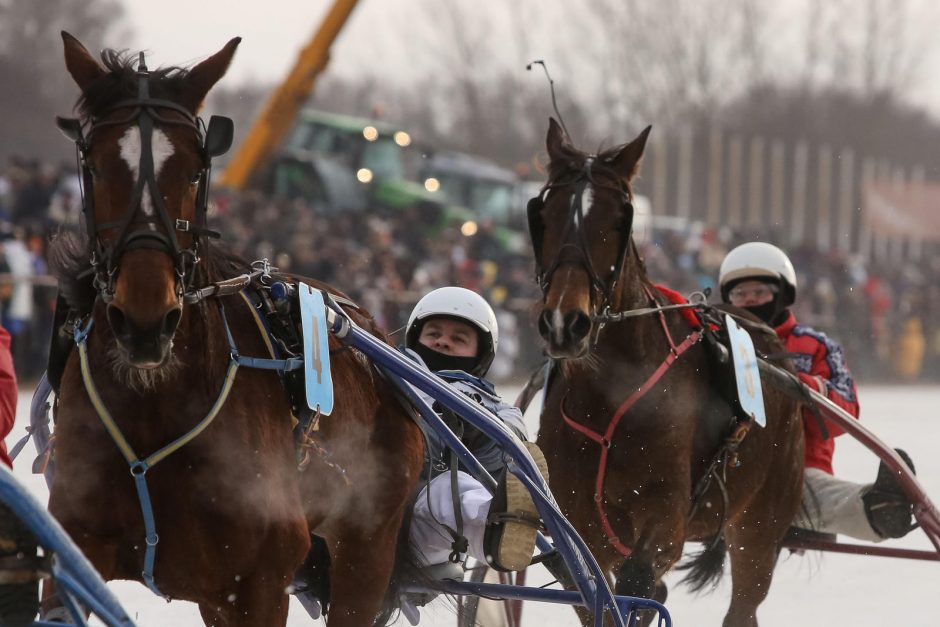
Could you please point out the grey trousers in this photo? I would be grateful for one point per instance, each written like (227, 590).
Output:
(832, 505)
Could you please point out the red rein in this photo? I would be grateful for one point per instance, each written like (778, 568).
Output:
(605, 440)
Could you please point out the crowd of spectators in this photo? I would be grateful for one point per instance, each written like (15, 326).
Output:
(885, 315)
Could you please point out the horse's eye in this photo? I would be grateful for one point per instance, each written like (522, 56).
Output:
(195, 178)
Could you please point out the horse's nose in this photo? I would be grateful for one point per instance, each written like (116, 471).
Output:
(564, 329)
(172, 320)
(117, 320)
(121, 326)
(577, 324)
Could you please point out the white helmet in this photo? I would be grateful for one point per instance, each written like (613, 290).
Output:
(458, 302)
(756, 260)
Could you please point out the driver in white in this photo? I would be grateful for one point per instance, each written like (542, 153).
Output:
(453, 332)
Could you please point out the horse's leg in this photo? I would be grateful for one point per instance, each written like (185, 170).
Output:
(638, 577)
(635, 578)
(360, 572)
(606, 560)
(260, 599)
(211, 615)
(102, 556)
(753, 557)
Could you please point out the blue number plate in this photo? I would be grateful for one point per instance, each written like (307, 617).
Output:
(319, 381)
(746, 372)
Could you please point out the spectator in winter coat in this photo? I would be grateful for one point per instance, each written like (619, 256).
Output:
(759, 277)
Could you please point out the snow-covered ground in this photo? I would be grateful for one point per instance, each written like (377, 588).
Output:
(813, 589)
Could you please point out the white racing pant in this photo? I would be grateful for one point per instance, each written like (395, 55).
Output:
(832, 505)
(429, 538)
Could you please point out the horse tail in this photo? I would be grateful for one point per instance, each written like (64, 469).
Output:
(706, 567)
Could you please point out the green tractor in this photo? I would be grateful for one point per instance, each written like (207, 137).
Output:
(343, 163)
(490, 192)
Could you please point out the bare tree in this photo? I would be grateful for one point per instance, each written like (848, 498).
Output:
(876, 47)
(35, 84)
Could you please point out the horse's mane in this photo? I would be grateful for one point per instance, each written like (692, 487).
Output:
(219, 262)
(120, 83)
(68, 258)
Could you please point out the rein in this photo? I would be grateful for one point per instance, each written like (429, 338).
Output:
(605, 440)
(696, 300)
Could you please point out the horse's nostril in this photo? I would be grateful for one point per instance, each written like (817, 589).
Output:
(117, 320)
(545, 323)
(172, 320)
(578, 323)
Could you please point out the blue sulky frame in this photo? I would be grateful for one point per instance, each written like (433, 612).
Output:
(84, 590)
(79, 584)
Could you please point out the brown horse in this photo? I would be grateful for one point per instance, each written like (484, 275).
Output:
(232, 511)
(634, 416)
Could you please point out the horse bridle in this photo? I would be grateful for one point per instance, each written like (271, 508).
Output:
(574, 239)
(146, 112)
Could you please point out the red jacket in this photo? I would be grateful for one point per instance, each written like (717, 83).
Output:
(821, 364)
(8, 393)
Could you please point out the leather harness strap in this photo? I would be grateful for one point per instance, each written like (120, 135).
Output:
(606, 440)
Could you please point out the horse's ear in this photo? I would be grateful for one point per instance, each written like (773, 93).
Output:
(627, 161)
(81, 65)
(556, 141)
(203, 76)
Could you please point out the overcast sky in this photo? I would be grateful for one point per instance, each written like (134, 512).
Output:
(274, 31)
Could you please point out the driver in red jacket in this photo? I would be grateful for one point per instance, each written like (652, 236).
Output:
(8, 394)
(759, 277)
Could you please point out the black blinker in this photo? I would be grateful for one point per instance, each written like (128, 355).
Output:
(536, 225)
(71, 128)
(219, 135)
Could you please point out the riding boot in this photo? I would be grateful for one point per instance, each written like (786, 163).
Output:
(513, 521)
(20, 571)
(886, 506)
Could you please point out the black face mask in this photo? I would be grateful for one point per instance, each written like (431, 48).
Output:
(766, 311)
(439, 361)
(769, 312)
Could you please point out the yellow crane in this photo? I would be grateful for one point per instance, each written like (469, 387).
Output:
(281, 109)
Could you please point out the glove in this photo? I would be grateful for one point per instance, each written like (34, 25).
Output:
(814, 382)
(452, 420)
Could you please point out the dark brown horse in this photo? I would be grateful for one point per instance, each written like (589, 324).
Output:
(232, 511)
(634, 414)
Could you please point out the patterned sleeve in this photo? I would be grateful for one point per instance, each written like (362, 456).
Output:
(829, 364)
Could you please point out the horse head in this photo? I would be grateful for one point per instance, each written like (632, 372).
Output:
(581, 225)
(145, 158)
